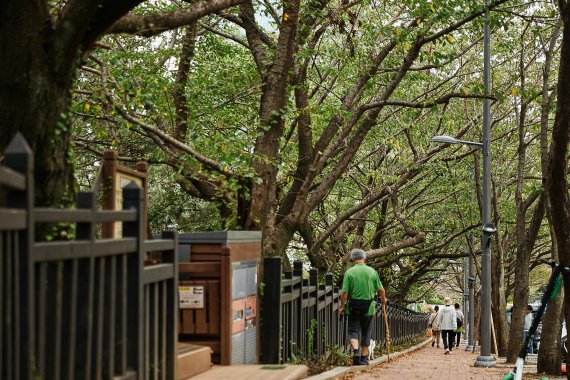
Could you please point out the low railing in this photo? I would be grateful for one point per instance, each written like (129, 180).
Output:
(303, 316)
(86, 308)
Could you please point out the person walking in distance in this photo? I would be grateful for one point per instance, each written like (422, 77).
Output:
(360, 286)
(460, 322)
(527, 323)
(448, 321)
(435, 326)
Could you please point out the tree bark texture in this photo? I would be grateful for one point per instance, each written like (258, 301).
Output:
(558, 184)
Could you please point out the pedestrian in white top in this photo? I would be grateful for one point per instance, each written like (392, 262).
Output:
(460, 323)
(448, 322)
(527, 324)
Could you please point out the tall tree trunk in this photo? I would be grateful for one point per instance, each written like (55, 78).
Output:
(549, 357)
(34, 96)
(525, 241)
(499, 302)
(557, 171)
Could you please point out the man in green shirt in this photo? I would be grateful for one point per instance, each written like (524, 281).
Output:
(360, 285)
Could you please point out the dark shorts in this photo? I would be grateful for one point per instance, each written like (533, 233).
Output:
(360, 325)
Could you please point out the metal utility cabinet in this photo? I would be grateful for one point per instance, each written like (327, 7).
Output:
(218, 293)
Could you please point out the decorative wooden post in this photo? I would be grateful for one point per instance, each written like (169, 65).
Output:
(116, 177)
(20, 158)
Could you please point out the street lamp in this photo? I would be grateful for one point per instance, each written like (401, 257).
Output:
(485, 359)
(452, 140)
(471, 313)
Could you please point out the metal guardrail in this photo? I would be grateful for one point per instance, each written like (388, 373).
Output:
(304, 314)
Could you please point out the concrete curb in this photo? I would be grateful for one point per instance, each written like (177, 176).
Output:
(339, 371)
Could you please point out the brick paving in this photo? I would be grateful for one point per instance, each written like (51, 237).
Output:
(431, 363)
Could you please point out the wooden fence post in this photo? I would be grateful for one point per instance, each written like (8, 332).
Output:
(271, 324)
(19, 157)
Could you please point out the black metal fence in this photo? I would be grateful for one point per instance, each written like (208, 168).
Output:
(86, 308)
(300, 317)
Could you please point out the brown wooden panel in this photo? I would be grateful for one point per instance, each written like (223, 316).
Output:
(245, 251)
(207, 257)
(201, 321)
(212, 248)
(214, 307)
(204, 321)
(187, 321)
(200, 268)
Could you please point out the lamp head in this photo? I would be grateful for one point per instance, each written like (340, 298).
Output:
(445, 139)
(489, 228)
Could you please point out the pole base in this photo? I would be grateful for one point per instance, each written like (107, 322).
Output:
(485, 361)
(469, 348)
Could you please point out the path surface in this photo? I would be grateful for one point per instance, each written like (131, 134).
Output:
(431, 363)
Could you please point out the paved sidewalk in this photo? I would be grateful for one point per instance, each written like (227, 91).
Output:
(431, 363)
(254, 372)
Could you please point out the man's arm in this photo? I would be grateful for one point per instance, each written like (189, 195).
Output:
(343, 299)
(382, 294)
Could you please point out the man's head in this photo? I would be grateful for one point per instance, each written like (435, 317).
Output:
(436, 308)
(528, 309)
(357, 254)
(447, 301)
(457, 306)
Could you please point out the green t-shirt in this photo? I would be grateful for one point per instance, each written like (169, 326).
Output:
(361, 282)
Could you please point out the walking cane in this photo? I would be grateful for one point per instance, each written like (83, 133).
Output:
(387, 330)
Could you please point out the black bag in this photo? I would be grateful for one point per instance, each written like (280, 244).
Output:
(459, 323)
(358, 307)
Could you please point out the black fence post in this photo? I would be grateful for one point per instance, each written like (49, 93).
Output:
(19, 157)
(298, 273)
(329, 311)
(172, 303)
(271, 323)
(313, 282)
(287, 320)
(133, 199)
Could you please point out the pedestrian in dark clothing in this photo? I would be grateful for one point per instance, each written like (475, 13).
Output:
(360, 285)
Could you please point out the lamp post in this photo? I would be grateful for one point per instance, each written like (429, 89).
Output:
(485, 359)
(466, 305)
(471, 311)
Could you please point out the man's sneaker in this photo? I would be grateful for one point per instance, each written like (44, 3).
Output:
(356, 360)
(363, 360)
